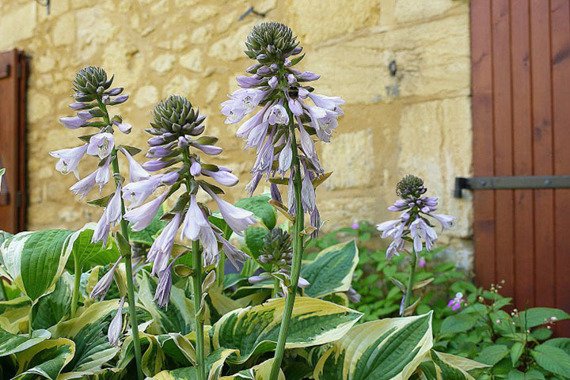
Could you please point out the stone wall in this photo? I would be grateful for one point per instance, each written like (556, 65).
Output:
(415, 119)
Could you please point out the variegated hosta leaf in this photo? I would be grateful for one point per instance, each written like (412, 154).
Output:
(35, 260)
(13, 343)
(90, 254)
(258, 372)
(178, 348)
(51, 308)
(381, 350)
(254, 330)
(89, 332)
(332, 270)
(153, 357)
(446, 366)
(177, 317)
(14, 314)
(214, 363)
(45, 359)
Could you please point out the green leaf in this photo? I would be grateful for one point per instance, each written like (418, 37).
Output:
(530, 375)
(254, 239)
(552, 359)
(45, 359)
(537, 316)
(493, 354)
(90, 254)
(458, 323)
(254, 330)
(12, 343)
(261, 371)
(380, 350)
(14, 314)
(51, 309)
(35, 260)
(332, 270)
(261, 208)
(177, 317)
(452, 367)
(214, 364)
(562, 343)
(516, 351)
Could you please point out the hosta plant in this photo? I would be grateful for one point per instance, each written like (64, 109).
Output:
(158, 252)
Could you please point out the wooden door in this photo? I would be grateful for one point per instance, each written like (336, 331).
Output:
(13, 72)
(521, 126)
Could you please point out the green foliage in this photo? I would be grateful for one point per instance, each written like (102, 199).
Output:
(515, 345)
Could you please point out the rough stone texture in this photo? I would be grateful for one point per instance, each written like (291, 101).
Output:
(416, 121)
(348, 155)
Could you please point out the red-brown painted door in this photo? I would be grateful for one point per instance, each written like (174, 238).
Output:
(521, 126)
(13, 72)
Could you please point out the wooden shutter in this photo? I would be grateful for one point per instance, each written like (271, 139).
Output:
(13, 73)
(521, 127)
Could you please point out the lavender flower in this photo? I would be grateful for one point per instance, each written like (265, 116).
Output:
(101, 145)
(456, 302)
(160, 250)
(93, 92)
(102, 287)
(111, 216)
(116, 326)
(164, 287)
(175, 149)
(69, 159)
(414, 223)
(288, 107)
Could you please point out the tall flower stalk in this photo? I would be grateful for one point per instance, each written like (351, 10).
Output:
(414, 226)
(175, 155)
(283, 133)
(93, 94)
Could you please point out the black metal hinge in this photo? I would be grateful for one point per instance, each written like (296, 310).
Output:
(510, 182)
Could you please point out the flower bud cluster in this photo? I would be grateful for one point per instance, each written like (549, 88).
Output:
(415, 222)
(175, 156)
(93, 94)
(288, 106)
(275, 258)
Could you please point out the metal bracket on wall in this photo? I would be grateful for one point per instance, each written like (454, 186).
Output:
(510, 182)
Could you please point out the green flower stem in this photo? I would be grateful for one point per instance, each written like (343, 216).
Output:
(410, 287)
(221, 271)
(126, 256)
(197, 288)
(76, 284)
(297, 254)
(275, 288)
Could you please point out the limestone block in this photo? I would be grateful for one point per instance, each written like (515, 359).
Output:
(432, 59)
(201, 34)
(43, 63)
(181, 85)
(93, 29)
(231, 47)
(414, 10)
(163, 63)
(436, 145)
(39, 106)
(211, 91)
(317, 20)
(17, 25)
(146, 96)
(192, 60)
(351, 158)
(64, 31)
